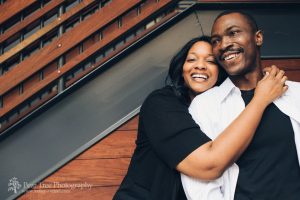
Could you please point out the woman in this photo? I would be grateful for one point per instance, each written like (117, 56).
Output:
(168, 136)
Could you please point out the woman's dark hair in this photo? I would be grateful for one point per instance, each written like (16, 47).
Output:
(175, 78)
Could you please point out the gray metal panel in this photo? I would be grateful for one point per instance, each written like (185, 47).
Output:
(85, 116)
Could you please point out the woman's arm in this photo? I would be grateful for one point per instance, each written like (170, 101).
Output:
(210, 160)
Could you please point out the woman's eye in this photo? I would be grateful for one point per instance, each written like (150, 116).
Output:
(190, 59)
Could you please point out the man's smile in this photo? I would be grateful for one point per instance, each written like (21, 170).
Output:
(231, 54)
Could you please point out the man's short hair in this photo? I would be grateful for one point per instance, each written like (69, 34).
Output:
(248, 17)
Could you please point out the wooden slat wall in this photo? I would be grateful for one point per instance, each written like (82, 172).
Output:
(13, 7)
(36, 73)
(30, 40)
(52, 4)
(67, 41)
(291, 67)
(105, 164)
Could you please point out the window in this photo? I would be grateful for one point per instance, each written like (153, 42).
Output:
(70, 4)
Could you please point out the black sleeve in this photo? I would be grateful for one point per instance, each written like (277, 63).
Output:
(172, 132)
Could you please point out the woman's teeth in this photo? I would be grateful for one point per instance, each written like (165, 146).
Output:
(200, 76)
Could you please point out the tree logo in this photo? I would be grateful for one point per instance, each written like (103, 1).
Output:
(14, 185)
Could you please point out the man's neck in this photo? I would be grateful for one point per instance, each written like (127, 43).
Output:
(249, 80)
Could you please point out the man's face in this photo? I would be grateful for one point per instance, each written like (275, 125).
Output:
(235, 44)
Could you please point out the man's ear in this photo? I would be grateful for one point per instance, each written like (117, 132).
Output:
(259, 38)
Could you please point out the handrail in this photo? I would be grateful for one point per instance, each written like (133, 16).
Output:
(35, 106)
(13, 7)
(68, 40)
(30, 40)
(81, 57)
(35, 16)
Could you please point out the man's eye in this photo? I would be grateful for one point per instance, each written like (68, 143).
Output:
(233, 33)
(215, 41)
(211, 61)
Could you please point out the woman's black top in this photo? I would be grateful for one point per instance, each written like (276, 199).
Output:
(166, 135)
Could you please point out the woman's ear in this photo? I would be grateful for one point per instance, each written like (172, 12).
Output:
(259, 37)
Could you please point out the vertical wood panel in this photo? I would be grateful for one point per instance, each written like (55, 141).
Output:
(31, 81)
(98, 172)
(71, 54)
(10, 96)
(291, 67)
(126, 18)
(90, 41)
(109, 148)
(130, 125)
(103, 166)
(49, 69)
(110, 29)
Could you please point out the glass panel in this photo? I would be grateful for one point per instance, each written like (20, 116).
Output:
(71, 23)
(50, 17)
(30, 50)
(105, 2)
(11, 63)
(31, 29)
(50, 37)
(11, 22)
(11, 42)
(70, 4)
(32, 9)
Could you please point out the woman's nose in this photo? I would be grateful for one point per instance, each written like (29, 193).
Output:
(200, 65)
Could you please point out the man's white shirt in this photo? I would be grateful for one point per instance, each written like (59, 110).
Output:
(214, 110)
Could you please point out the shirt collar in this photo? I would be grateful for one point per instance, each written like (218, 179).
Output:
(226, 88)
(284, 103)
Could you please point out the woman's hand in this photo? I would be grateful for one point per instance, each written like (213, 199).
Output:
(271, 86)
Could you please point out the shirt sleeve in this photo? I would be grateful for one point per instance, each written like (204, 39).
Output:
(172, 132)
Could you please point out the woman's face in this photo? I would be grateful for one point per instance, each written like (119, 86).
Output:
(200, 71)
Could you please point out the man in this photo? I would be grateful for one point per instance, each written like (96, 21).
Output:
(269, 168)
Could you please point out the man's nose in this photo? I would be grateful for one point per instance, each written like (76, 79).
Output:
(225, 43)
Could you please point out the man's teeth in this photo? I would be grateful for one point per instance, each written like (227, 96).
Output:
(199, 76)
(231, 56)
